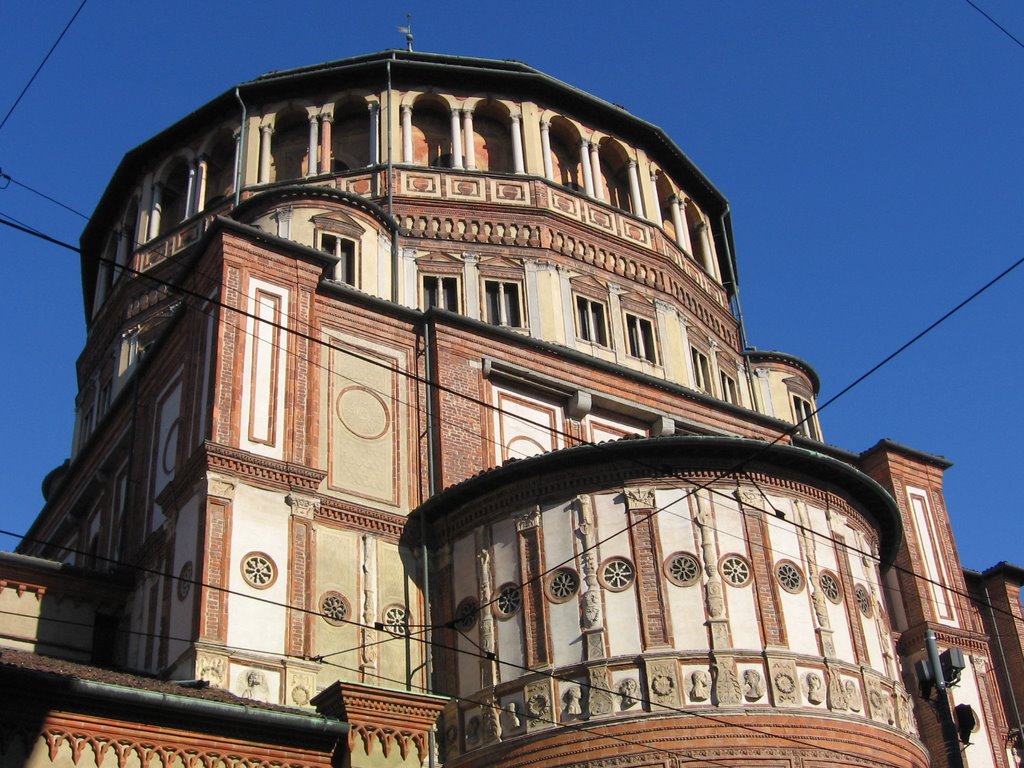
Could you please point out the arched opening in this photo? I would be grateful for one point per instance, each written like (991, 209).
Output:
(173, 196)
(698, 231)
(350, 136)
(492, 140)
(666, 195)
(289, 147)
(220, 167)
(615, 174)
(431, 134)
(565, 153)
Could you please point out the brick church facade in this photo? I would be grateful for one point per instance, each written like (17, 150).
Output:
(415, 403)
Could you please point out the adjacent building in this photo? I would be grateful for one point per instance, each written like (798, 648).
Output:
(415, 392)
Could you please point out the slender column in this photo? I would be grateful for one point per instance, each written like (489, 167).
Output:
(155, 210)
(656, 216)
(326, 123)
(682, 231)
(545, 148)
(467, 135)
(517, 146)
(588, 179)
(374, 132)
(595, 170)
(406, 133)
(190, 191)
(202, 167)
(311, 168)
(263, 176)
(456, 140)
(634, 190)
(124, 246)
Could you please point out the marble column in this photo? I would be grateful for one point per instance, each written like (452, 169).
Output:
(202, 168)
(190, 191)
(634, 190)
(406, 133)
(588, 179)
(263, 175)
(517, 146)
(545, 148)
(595, 170)
(311, 166)
(467, 134)
(456, 140)
(374, 132)
(656, 216)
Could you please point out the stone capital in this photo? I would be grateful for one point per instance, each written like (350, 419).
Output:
(303, 506)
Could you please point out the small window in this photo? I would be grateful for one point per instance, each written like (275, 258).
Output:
(803, 415)
(563, 584)
(640, 336)
(345, 250)
(508, 602)
(590, 317)
(682, 569)
(503, 307)
(104, 403)
(259, 570)
(701, 370)
(396, 620)
(729, 393)
(334, 608)
(441, 292)
(735, 570)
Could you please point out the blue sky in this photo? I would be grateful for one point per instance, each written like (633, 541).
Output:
(871, 152)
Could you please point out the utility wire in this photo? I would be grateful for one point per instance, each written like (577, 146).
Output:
(995, 23)
(42, 64)
(6, 177)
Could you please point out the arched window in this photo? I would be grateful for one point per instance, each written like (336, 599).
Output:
(665, 200)
(220, 167)
(492, 141)
(698, 236)
(350, 136)
(615, 174)
(174, 196)
(431, 134)
(565, 153)
(290, 146)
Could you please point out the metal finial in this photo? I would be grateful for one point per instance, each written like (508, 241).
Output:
(407, 31)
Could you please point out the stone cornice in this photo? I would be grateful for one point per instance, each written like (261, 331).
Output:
(278, 474)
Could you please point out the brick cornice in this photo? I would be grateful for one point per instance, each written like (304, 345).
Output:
(277, 474)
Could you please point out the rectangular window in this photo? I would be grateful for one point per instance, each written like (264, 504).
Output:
(701, 370)
(502, 303)
(345, 250)
(104, 402)
(640, 336)
(728, 388)
(441, 292)
(803, 415)
(590, 316)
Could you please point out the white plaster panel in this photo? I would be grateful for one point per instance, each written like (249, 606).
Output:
(525, 426)
(928, 547)
(675, 526)
(622, 618)
(264, 369)
(558, 523)
(260, 524)
(566, 639)
(610, 515)
(186, 533)
(510, 647)
(980, 753)
(338, 569)
(505, 553)
(798, 618)
(204, 383)
(464, 584)
(729, 530)
(782, 536)
(255, 683)
(165, 448)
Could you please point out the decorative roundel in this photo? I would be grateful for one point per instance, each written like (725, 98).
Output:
(617, 574)
(466, 613)
(790, 577)
(863, 600)
(334, 608)
(185, 580)
(563, 584)
(396, 620)
(682, 569)
(830, 586)
(735, 570)
(259, 570)
(509, 601)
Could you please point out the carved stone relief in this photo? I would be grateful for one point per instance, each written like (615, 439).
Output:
(538, 706)
(572, 701)
(219, 486)
(784, 684)
(212, 668)
(728, 691)
(853, 697)
(699, 683)
(663, 681)
(814, 688)
(753, 685)
(629, 693)
(527, 520)
(512, 718)
(303, 506)
(837, 699)
(368, 635)
(490, 726)
(880, 703)
(640, 498)
(599, 698)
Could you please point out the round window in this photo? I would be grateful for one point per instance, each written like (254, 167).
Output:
(682, 569)
(735, 570)
(396, 620)
(563, 584)
(334, 608)
(258, 570)
(790, 577)
(465, 614)
(509, 601)
(617, 574)
(863, 600)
